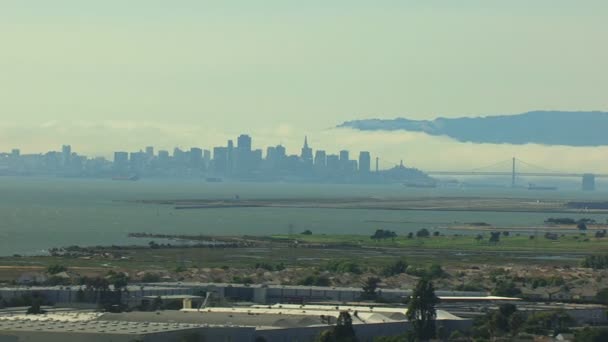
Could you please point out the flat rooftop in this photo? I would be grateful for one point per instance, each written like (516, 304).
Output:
(92, 326)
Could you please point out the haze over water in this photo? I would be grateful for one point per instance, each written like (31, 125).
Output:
(41, 213)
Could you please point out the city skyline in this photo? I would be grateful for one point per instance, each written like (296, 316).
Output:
(239, 161)
(110, 74)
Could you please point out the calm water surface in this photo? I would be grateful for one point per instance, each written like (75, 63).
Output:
(39, 213)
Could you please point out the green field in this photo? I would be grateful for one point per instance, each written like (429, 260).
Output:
(571, 243)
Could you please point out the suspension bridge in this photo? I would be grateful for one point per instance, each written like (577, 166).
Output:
(514, 170)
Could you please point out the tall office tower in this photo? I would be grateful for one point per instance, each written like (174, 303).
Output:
(306, 154)
(196, 158)
(270, 153)
(244, 142)
(220, 160)
(588, 182)
(364, 162)
(206, 158)
(121, 163)
(320, 159)
(163, 158)
(179, 158)
(137, 161)
(230, 157)
(149, 152)
(333, 163)
(66, 154)
(256, 158)
(344, 156)
(244, 157)
(281, 152)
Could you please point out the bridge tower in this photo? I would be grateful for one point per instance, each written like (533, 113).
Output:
(513, 174)
(588, 182)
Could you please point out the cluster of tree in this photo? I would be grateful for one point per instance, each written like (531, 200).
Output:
(270, 267)
(422, 314)
(421, 310)
(242, 280)
(597, 262)
(506, 288)
(507, 321)
(54, 269)
(589, 334)
(434, 271)
(551, 236)
(567, 220)
(149, 277)
(494, 238)
(29, 300)
(315, 280)
(105, 291)
(422, 233)
(343, 266)
(370, 287)
(382, 234)
(341, 332)
(306, 232)
(602, 296)
(395, 268)
(600, 233)
(543, 282)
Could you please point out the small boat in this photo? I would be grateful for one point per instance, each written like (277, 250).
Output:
(420, 185)
(539, 187)
(126, 178)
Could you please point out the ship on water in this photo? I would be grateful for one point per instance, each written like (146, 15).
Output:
(540, 187)
(126, 178)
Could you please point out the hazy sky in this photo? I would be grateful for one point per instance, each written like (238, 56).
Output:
(117, 74)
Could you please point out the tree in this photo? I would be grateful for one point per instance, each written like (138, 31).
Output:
(35, 308)
(421, 310)
(506, 289)
(581, 226)
(494, 237)
(342, 332)
(54, 269)
(307, 232)
(435, 271)
(602, 296)
(381, 234)
(423, 233)
(395, 268)
(369, 288)
(591, 335)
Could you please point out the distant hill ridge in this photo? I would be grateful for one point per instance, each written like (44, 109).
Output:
(537, 127)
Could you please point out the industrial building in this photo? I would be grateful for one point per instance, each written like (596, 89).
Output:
(270, 294)
(281, 322)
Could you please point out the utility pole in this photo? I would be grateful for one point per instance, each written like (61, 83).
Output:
(513, 174)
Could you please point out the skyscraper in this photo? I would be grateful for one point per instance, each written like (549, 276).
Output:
(149, 152)
(320, 159)
(220, 160)
(244, 157)
(121, 162)
(66, 154)
(344, 156)
(196, 158)
(364, 162)
(306, 154)
(243, 142)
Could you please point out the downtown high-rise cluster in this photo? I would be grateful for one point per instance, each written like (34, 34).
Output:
(238, 161)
